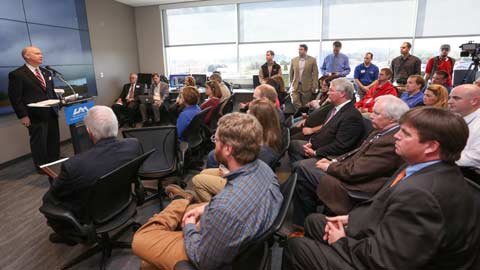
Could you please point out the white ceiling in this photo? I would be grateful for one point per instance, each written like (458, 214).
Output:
(139, 3)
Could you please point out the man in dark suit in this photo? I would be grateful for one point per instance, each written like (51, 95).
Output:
(342, 130)
(126, 107)
(365, 169)
(29, 84)
(425, 217)
(70, 189)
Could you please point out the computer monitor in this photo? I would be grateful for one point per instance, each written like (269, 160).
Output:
(256, 81)
(144, 79)
(200, 79)
(177, 80)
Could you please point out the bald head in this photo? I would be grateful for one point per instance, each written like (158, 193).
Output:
(32, 55)
(464, 99)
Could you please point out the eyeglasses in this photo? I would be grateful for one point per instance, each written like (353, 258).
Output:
(212, 138)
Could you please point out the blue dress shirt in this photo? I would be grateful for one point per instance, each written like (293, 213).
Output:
(413, 100)
(336, 64)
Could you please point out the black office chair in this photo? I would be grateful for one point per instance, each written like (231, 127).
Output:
(285, 146)
(228, 106)
(111, 205)
(197, 136)
(257, 254)
(167, 160)
(216, 115)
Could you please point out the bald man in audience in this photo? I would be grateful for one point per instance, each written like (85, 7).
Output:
(465, 100)
(425, 217)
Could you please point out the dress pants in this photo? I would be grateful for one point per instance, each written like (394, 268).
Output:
(305, 199)
(125, 113)
(295, 151)
(311, 251)
(208, 183)
(155, 107)
(157, 242)
(300, 96)
(45, 140)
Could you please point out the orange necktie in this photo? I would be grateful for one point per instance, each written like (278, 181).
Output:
(399, 177)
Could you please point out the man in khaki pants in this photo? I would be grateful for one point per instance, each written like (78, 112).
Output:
(213, 233)
(303, 77)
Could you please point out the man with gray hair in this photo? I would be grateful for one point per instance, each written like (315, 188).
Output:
(365, 169)
(79, 173)
(342, 130)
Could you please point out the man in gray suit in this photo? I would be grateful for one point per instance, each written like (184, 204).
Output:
(303, 77)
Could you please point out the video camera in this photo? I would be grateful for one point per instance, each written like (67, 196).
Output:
(470, 49)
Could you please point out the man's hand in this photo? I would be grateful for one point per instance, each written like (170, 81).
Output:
(192, 216)
(119, 101)
(343, 219)
(301, 123)
(25, 121)
(331, 225)
(223, 170)
(323, 164)
(309, 152)
(336, 231)
(307, 131)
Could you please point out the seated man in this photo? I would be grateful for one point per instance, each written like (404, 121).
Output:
(126, 106)
(413, 95)
(81, 172)
(213, 233)
(342, 130)
(425, 217)
(383, 87)
(441, 77)
(364, 169)
(465, 100)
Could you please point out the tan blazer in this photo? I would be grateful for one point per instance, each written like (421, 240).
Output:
(309, 76)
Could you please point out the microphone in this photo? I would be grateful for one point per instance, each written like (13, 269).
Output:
(53, 70)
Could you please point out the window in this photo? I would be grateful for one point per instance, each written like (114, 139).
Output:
(201, 25)
(281, 20)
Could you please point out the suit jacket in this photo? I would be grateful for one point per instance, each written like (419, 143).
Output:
(139, 90)
(78, 174)
(341, 134)
(309, 76)
(364, 169)
(24, 88)
(427, 221)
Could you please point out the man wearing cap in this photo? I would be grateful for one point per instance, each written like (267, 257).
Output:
(441, 62)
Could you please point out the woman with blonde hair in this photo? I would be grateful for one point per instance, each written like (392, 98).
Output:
(436, 95)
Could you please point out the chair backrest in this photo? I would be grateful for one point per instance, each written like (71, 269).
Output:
(253, 255)
(228, 106)
(285, 146)
(161, 138)
(195, 132)
(112, 193)
(216, 114)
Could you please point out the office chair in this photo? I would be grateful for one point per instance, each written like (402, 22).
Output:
(110, 206)
(167, 160)
(285, 146)
(197, 136)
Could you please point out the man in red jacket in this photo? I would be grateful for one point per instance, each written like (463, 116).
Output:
(384, 87)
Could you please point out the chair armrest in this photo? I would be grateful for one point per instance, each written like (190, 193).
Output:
(184, 265)
(59, 213)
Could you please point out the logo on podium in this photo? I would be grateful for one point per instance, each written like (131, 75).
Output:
(76, 113)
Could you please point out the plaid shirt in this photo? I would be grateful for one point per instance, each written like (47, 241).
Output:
(244, 210)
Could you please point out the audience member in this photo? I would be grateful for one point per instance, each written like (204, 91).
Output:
(189, 99)
(212, 234)
(280, 88)
(270, 68)
(190, 81)
(126, 106)
(405, 65)
(213, 93)
(383, 87)
(225, 90)
(79, 173)
(365, 169)
(265, 91)
(303, 77)
(209, 182)
(442, 62)
(441, 77)
(413, 95)
(336, 64)
(341, 131)
(436, 95)
(465, 101)
(425, 217)
(365, 75)
(158, 91)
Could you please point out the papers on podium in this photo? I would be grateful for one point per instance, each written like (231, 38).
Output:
(45, 103)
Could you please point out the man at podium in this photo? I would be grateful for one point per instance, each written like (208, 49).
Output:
(31, 83)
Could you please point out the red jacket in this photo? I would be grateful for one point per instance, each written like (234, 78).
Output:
(368, 100)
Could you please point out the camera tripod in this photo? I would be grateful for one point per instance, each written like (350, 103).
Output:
(471, 71)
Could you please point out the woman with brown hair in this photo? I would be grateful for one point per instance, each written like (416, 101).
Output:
(436, 95)
(214, 94)
(189, 99)
(190, 81)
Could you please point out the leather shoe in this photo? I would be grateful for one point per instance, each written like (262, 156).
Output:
(176, 192)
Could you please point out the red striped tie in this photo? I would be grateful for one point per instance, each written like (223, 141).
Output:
(40, 78)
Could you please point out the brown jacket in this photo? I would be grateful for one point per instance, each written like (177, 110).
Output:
(364, 169)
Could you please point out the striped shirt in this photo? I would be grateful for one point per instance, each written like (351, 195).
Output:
(244, 210)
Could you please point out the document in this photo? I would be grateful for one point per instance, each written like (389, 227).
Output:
(45, 103)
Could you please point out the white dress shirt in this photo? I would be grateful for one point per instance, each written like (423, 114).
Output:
(471, 153)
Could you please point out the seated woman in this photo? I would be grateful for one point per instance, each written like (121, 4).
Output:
(436, 95)
(176, 108)
(159, 91)
(214, 94)
(281, 91)
(189, 99)
(209, 182)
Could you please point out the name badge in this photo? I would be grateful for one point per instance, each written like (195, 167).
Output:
(362, 71)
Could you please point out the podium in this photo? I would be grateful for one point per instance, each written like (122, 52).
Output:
(75, 112)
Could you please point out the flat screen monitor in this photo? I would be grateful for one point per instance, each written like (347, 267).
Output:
(145, 78)
(200, 79)
(177, 80)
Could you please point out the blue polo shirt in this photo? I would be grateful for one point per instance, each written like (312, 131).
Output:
(414, 100)
(366, 75)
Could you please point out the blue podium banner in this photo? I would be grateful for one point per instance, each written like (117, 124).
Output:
(76, 113)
